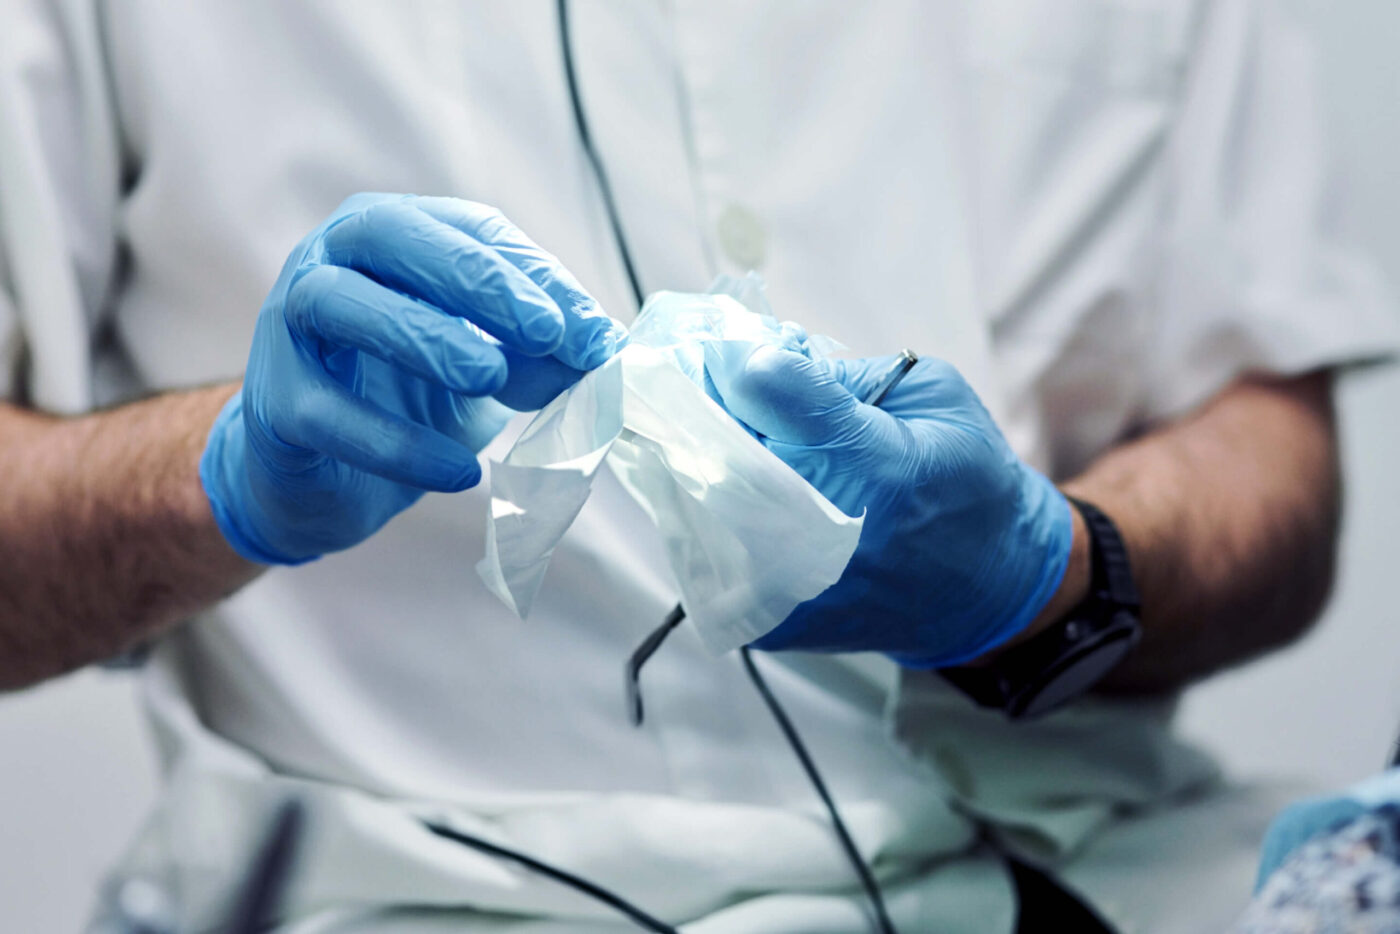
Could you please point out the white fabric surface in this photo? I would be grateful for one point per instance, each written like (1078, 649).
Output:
(1102, 210)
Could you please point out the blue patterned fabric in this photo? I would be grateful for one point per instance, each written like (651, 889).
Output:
(1345, 880)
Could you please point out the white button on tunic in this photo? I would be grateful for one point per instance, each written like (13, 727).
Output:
(742, 237)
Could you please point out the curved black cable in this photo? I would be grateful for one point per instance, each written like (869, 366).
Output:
(625, 907)
(867, 879)
(586, 138)
(262, 890)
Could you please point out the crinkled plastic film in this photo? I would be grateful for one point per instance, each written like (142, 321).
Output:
(747, 539)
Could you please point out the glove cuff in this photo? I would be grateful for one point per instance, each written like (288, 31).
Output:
(1050, 524)
(224, 476)
(1044, 531)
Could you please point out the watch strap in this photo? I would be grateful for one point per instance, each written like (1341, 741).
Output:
(1110, 575)
(1065, 660)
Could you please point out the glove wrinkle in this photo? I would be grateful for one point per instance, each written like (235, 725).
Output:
(372, 370)
(963, 543)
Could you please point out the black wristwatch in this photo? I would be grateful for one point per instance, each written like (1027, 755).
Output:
(1064, 661)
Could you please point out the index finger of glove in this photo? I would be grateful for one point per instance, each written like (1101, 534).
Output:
(931, 387)
(862, 376)
(348, 309)
(402, 247)
(590, 335)
(333, 421)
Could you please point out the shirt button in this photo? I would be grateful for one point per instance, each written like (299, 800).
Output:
(741, 237)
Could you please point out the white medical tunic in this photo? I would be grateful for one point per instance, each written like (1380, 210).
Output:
(1102, 210)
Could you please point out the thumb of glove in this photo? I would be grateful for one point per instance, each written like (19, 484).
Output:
(781, 394)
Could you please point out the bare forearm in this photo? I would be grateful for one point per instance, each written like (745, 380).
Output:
(106, 534)
(1231, 518)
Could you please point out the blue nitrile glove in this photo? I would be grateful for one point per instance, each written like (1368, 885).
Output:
(1307, 818)
(963, 543)
(379, 366)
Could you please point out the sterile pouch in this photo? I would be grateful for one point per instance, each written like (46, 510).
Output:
(747, 538)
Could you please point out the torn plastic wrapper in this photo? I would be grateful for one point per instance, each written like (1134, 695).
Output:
(746, 537)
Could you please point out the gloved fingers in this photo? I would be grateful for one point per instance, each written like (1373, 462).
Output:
(347, 309)
(784, 395)
(861, 375)
(532, 382)
(590, 335)
(400, 246)
(933, 388)
(329, 419)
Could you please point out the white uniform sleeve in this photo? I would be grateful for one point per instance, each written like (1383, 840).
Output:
(1253, 273)
(59, 182)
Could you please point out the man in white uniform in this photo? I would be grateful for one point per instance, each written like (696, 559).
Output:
(1109, 215)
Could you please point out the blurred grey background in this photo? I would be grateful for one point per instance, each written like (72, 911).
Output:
(77, 769)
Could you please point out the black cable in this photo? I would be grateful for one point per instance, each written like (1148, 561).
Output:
(261, 892)
(633, 672)
(586, 138)
(867, 879)
(558, 875)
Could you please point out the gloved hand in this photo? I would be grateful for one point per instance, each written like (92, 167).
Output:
(963, 543)
(1305, 819)
(379, 365)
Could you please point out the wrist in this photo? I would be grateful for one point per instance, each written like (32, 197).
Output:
(224, 476)
(1073, 650)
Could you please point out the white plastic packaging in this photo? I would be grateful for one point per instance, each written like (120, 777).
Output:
(746, 537)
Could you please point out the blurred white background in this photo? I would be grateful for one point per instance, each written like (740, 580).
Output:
(76, 769)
